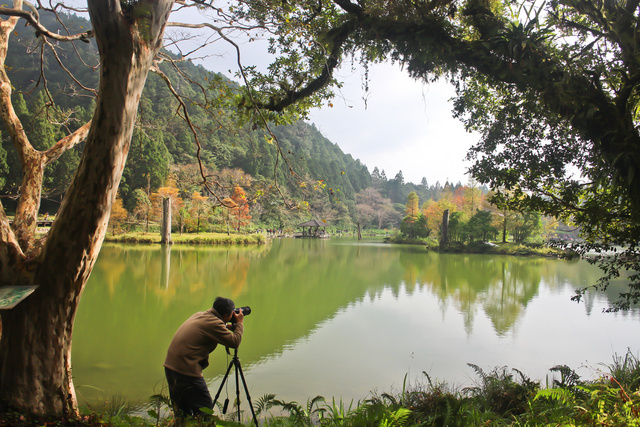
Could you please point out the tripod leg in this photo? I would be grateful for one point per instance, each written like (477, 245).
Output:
(226, 375)
(237, 363)
(246, 390)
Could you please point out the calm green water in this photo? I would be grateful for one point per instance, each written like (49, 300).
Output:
(340, 318)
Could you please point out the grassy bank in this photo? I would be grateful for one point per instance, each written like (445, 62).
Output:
(501, 397)
(518, 249)
(194, 239)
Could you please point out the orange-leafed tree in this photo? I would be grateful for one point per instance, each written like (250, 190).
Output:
(118, 217)
(240, 213)
(459, 200)
(433, 211)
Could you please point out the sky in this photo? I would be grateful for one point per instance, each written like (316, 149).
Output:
(404, 125)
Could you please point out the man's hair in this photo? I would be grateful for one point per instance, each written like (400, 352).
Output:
(223, 306)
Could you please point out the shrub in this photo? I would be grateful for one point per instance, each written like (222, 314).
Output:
(436, 404)
(500, 393)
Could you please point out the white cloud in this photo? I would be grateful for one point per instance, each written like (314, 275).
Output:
(404, 125)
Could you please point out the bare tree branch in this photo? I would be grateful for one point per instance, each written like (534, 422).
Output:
(69, 73)
(41, 30)
(185, 115)
(66, 143)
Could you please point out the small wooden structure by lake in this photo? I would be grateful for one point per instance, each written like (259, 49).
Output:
(313, 229)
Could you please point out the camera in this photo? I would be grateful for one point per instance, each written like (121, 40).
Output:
(246, 310)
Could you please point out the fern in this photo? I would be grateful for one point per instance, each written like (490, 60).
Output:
(264, 404)
(398, 418)
(478, 370)
(568, 377)
(318, 411)
(562, 395)
(389, 398)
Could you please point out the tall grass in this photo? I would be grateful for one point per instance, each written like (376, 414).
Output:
(626, 371)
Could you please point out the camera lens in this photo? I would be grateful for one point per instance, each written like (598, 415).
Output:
(245, 310)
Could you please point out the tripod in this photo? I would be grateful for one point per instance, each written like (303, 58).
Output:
(236, 362)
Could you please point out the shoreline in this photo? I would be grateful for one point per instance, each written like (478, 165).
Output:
(192, 239)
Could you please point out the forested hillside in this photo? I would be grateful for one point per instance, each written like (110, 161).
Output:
(317, 180)
(163, 141)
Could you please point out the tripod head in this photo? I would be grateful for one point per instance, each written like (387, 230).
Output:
(235, 352)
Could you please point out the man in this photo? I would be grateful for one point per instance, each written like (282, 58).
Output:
(189, 350)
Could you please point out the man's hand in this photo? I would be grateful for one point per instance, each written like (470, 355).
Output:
(239, 316)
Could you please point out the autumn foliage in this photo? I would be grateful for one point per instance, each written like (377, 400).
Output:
(240, 213)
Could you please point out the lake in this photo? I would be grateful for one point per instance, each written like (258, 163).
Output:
(341, 318)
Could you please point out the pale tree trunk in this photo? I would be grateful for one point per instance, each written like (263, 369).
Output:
(165, 232)
(35, 347)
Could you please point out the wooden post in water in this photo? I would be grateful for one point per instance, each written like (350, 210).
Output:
(165, 233)
(444, 237)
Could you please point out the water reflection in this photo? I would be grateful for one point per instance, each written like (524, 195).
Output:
(317, 304)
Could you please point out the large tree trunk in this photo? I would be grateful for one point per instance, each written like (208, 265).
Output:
(35, 347)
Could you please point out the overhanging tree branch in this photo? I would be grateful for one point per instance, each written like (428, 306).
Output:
(338, 37)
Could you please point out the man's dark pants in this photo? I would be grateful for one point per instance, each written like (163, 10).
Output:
(188, 394)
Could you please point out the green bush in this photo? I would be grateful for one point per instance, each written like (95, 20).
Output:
(499, 392)
(436, 404)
